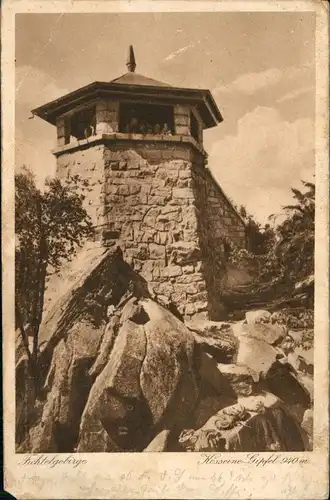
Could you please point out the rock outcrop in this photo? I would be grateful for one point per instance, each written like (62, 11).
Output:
(260, 423)
(215, 338)
(148, 383)
(121, 373)
(118, 367)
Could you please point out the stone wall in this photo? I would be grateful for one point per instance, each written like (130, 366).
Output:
(167, 213)
(63, 136)
(88, 162)
(218, 223)
(107, 116)
(149, 200)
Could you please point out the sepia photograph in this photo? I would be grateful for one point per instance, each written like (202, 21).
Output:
(164, 232)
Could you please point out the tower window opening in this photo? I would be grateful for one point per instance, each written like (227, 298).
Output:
(82, 124)
(194, 127)
(146, 119)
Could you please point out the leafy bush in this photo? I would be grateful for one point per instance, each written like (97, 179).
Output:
(284, 255)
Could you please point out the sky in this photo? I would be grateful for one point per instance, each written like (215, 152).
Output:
(259, 67)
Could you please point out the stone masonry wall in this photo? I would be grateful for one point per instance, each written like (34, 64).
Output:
(166, 212)
(218, 222)
(150, 201)
(107, 116)
(88, 162)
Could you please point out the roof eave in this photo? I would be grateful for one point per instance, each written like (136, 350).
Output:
(52, 106)
(49, 110)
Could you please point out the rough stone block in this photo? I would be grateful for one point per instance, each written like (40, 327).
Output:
(173, 271)
(160, 226)
(173, 154)
(191, 234)
(239, 378)
(106, 127)
(111, 165)
(169, 209)
(181, 202)
(138, 264)
(60, 121)
(141, 252)
(127, 190)
(136, 216)
(163, 300)
(156, 251)
(185, 193)
(165, 288)
(182, 130)
(145, 188)
(200, 296)
(140, 199)
(176, 165)
(156, 200)
(190, 309)
(158, 270)
(158, 183)
(188, 269)
(147, 236)
(127, 232)
(190, 278)
(60, 131)
(183, 252)
(170, 178)
(105, 116)
(182, 120)
(113, 199)
(189, 288)
(178, 297)
(185, 183)
(172, 216)
(150, 217)
(161, 237)
(201, 305)
(147, 270)
(201, 316)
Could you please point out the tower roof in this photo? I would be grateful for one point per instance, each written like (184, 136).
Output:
(131, 78)
(132, 86)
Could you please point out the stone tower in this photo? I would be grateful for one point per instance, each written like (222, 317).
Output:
(139, 142)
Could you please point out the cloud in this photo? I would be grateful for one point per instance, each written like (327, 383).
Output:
(268, 155)
(249, 83)
(295, 93)
(34, 139)
(304, 72)
(291, 83)
(28, 79)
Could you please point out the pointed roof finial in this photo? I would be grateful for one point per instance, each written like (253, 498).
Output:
(131, 65)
